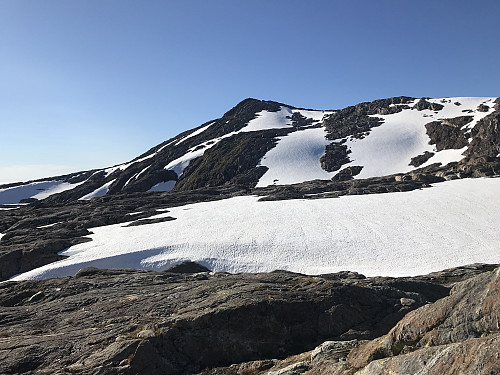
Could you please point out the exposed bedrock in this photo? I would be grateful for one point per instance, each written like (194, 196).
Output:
(336, 155)
(425, 104)
(445, 135)
(458, 334)
(418, 160)
(131, 322)
(231, 161)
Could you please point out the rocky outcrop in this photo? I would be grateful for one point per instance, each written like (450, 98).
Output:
(425, 104)
(347, 173)
(458, 334)
(443, 337)
(130, 322)
(356, 121)
(336, 155)
(231, 161)
(418, 160)
(448, 134)
(486, 137)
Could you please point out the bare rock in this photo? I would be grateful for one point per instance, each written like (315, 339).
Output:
(443, 336)
(424, 104)
(188, 267)
(129, 322)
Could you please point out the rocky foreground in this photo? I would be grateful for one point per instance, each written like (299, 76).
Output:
(189, 320)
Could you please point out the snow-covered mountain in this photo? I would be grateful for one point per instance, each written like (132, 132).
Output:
(262, 143)
(270, 186)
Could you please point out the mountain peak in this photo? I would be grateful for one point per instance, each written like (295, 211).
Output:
(259, 143)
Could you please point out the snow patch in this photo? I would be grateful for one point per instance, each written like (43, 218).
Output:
(270, 120)
(99, 192)
(445, 156)
(163, 186)
(48, 225)
(122, 167)
(39, 190)
(317, 116)
(196, 132)
(393, 234)
(135, 177)
(141, 172)
(295, 158)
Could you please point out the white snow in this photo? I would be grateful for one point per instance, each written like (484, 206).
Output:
(122, 167)
(163, 186)
(264, 120)
(48, 225)
(141, 172)
(450, 224)
(128, 181)
(39, 190)
(317, 116)
(270, 120)
(445, 156)
(196, 132)
(296, 158)
(168, 144)
(59, 188)
(136, 176)
(389, 147)
(99, 192)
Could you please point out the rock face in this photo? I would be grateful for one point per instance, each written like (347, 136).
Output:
(458, 334)
(356, 120)
(446, 135)
(418, 160)
(133, 322)
(335, 156)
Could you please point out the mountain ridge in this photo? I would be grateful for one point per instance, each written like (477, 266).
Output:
(230, 150)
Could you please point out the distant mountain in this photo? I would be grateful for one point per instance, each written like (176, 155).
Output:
(263, 143)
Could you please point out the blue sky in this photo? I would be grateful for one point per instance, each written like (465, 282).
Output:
(92, 83)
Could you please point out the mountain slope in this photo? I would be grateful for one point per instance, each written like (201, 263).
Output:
(116, 217)
(262, 143)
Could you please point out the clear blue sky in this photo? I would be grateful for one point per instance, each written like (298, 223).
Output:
(92, 83)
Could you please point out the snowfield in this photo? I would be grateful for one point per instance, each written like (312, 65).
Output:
(39, 190)
(389, 148)
(450, 224)
(296, 158)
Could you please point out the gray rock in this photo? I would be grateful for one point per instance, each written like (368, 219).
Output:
(126, 321)
(333, 350)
